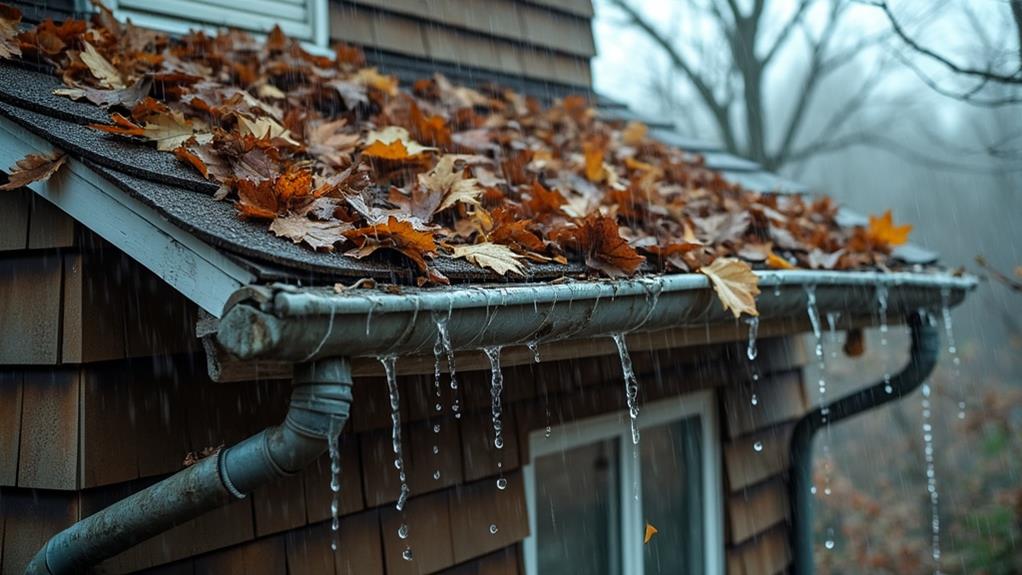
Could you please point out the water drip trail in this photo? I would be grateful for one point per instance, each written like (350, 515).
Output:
(389, 362)
(438, 350)
(496, 391)
(882, 313)
(333, 447)
(814, 320)
(952, 349)
(751, 352)
(445, 343)
(631, 398)
(931, 480)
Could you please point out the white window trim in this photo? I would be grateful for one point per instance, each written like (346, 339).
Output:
(586, 431)
(314, 35)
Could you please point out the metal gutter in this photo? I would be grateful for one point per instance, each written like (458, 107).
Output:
(319, 408)
(293, 324)
(922, 359)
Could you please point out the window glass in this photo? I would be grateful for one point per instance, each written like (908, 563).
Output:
(672, 497)
(578, 510)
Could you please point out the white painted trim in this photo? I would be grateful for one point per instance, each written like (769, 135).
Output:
(615, 425)
(191, 266)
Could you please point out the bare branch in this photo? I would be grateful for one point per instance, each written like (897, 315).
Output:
(786, 30)
(1012, 79)
(970, 96)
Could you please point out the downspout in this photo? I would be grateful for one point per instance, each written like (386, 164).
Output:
(319, 406)
(922, 360)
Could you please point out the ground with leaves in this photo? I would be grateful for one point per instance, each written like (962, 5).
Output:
(334, 155)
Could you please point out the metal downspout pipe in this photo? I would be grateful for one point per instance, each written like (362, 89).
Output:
(922, 359)
(319, 406)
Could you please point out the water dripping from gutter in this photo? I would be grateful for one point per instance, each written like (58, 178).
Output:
(814, 320)
(334, 449)
(631, 398)
(751, 352)
(534, 348)
(931, 480)
(389, 367)
(882, 312)
(445, 342)
(952, 349)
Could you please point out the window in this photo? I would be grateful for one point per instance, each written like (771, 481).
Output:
(304, 20)
(591, 493)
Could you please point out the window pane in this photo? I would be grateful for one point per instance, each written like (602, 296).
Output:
(672, 497)
(578, 511)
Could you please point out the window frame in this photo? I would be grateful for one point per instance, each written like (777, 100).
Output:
(700, 404)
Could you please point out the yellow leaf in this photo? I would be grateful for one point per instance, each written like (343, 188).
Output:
(883, 231)
(101, 68)
(171, 131)
(496, 257)
(777, 262)
(634, 133)
(389, 137)
(372, 78)
(735, 284)
(593, 162)
(32, 168)
(650, 532)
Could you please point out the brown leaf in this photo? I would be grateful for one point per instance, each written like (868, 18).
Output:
(735, 284)
(396, 235)
(723, 227)
(319, 235)
(450, 184)
(101, 68)
(171, 131)
(496, 257)
(598, 238)
(10, 18)
(32, 168)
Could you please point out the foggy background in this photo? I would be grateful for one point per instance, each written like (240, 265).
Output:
(951, 168)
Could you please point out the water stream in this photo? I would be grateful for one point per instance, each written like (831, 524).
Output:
(952, 349)
(389, 362)
(751, 352)
(931, 479)
(814, 321)
(334, 449)
(445, 343)
(882, 313)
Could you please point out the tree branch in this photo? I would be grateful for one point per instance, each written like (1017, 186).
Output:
(1013, 79)
(786, 30)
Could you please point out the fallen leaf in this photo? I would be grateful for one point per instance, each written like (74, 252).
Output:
(393, 143)
(599, 240)
(634, 133)
(723, 227)
(821, 260)
(32, 168)
(127, 97)
(394, 234)
(121, 126)
(318, 235)
(650, 532)
(496, 257)
(264, 128)
(171, 131)
(777, 262)
(735, 284)
(450, 184)
(594, 170)
(101, 68)
(882, 230)
(10, 17)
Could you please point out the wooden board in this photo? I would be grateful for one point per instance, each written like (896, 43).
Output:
(94, 309)
(31, 517)
(14, 218)
(503, 562)
(359, 550)
(479, 456)
(49, 227)
(429, 535)
(476, 506)
(745, 466)
(10, 425)
(30, 293)
(266, 556)
(779, 397)
(766, 554)
(109, 415)
(756, 509)
(50, 418)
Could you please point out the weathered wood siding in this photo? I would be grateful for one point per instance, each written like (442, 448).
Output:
(547, 41)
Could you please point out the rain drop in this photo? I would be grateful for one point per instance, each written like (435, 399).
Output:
(493, 529)
(758, 446)
(501, 483)
(534, 348)
(754, 400)
(496, 391)
(402, 531)
(829, 544)
(407, 554)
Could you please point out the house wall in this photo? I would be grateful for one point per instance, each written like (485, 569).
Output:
(547, 42)
(103, 390)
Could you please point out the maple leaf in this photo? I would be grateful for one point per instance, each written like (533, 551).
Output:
(450, 185)
(264, 128)
(171, 131)
(650, 532)
(127, 97)
(393, 143)
(257, 201)
(319, 235)
(882, 230)
(101, 68)
(398, 235)
(32, 168)
(496, 257)
(599, 239)
(10, 17)
(735, 284)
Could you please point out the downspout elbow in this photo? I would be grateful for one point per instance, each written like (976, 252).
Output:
(922, 360)
(319, 407)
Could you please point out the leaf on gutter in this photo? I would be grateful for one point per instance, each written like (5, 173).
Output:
(496, 257)
(735, 284)
(318, 235)
(10, 17)
(101, 68)
(32, 168)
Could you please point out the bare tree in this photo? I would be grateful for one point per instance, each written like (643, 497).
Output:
(995, 77)
(731, 85)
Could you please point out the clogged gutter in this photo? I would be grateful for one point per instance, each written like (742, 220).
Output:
(337, 156)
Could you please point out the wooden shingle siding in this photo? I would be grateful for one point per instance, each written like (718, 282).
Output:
(14, 217)
(30, 300)
(515, 39)
(48, 453)
(30, 517)
(503, 562)
(10, 425)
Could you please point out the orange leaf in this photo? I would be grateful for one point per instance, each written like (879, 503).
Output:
(189, 158)
(650, 532)
(121, 126)
(257, 201)
(882, 230)
(777, 262)
(594, 161)
(397, 235)
(32, 168)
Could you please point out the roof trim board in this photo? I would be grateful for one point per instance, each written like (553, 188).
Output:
(190, 265)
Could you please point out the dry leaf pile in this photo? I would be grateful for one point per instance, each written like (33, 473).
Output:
(337, 156)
